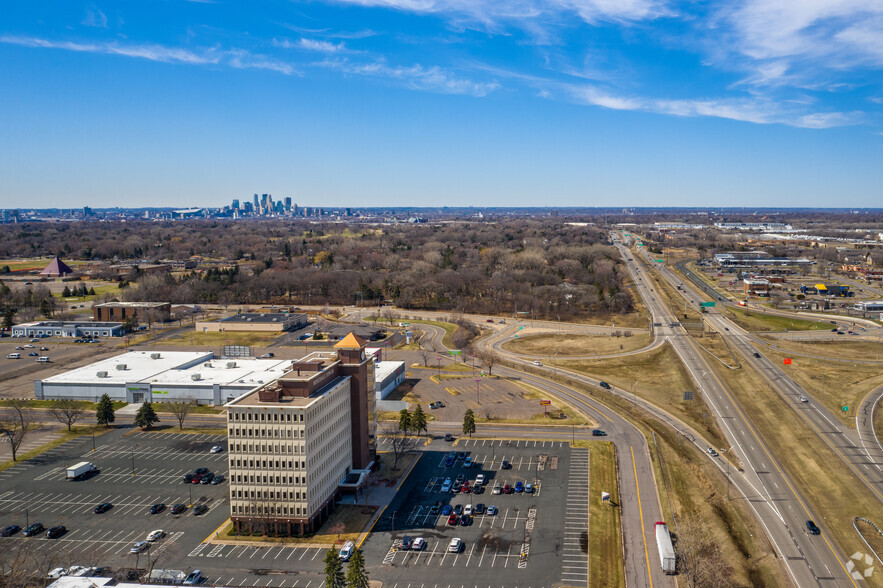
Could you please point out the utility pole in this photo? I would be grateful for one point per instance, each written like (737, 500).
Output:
(477, 397)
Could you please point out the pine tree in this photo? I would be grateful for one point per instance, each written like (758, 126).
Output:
(333, 570)
(66, 292)
(146, 416)
(92, 291)
(356, 576)
(45, 308)
(468, 422)
(104, 414)
(404, 421)
(418, 420)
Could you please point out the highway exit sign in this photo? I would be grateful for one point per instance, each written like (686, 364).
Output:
(707, 304)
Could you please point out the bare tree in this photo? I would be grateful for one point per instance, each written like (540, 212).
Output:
(22, 566)
(181, 408)
(489, 359)
(389, 315)
(399, 443)
(702, 562)
(67, 411)
(15, 424)
(422, 347)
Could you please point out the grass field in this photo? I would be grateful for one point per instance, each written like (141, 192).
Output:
(581, 345)
(842, 348)
(605, 524)
(828, 485)
(219, 339)
(661, 379)
(755, 321)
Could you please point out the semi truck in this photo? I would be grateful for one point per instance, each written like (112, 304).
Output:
(666, 551)
(76, 472)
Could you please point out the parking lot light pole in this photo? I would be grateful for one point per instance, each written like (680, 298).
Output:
(190, 490)
(477, 397)
(27, 519)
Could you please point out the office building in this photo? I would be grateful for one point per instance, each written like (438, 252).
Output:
(142, 311)
(297, 443)
(68, 329)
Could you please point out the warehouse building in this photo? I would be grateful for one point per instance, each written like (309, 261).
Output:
(297, 443)
(268, 322)
(143, 311)
(163, 376)
(69, 329)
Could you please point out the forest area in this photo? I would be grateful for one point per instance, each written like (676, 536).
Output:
(543, 267)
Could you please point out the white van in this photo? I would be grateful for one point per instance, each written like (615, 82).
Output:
(14, 356)
(44, 359)
(347, 551)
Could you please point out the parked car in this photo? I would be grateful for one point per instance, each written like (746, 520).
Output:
(528, 488)
(33, 529)
(519, 487)
(456, 488)
(200, 509)
(193, 578)
(458, 509)
(461, 455)
(465, 521)
(446, 510)
(200, 471)
(140, 546)
(468, 462)
(57, 573)
(507, 489)
(449, 462)
(155, 535)
(55, 532)
(479, 508)
(406, 542)
(217, 480)
(207, 479)
(435, 508)
(188, 478)
(506, 465)
(346, 552)
(456, 545)
(157, 508)
(604, 385)
(491, 510)
(103, 507)
(216, 449)
(178, 509)
(468, 510)
(453, 520)
(10, 531)
(497, 488)
(449, 437)
(419, 544)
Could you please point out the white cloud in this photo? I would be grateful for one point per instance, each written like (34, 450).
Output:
(417, 77)
(94, 17)
(322, 46)
(237, 58)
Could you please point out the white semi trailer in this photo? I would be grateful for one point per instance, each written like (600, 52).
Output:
(666, 551)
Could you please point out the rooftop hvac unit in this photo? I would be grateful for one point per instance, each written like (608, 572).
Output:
(122, 367)
(231, 365)
(208, 365)
(155, 356)
(195, 377)
(101, 374)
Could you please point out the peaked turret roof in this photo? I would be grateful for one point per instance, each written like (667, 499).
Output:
(56, 267)
(351, 341)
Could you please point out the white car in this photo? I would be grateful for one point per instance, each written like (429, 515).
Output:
(216, 449)
(467, 510)
(81, 571)
(419, 544)
(456, 545)
(57, 573)
(804, 399)
(139, 547)
(497, 488)
(537, 363)
(193, 578)
(346, 551)
(155, 535)
(29, 346)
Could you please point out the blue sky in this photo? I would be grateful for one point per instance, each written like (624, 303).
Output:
(442, 102)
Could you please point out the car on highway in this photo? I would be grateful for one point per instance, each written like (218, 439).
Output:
(216, 449)
(757, 355)
(804, 399)
(33, 354)
(604, 385)
(33, 529)
(155, 535)
(103, 507)
(157, 508)
(537, 363)
(178, 509)
(56, 532)
(140, 546)
(598, 433)
(456, 545)
(44, 349)
(813, 528)
(10, 531)
(29, 346)
(711, 452)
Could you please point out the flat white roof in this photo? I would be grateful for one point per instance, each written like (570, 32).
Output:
(139, 366)
(248, 373)
(382, 369)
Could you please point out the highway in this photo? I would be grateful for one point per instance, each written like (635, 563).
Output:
(810, 560)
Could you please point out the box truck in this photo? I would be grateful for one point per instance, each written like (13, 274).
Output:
(75, 472)
(666, 551)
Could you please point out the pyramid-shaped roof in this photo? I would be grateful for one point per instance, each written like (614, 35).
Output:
(351, 341)
(56, 267)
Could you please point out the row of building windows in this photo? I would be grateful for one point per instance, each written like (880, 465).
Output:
(265, 417)
(249, 432)
(264, 464)
(256, 509)
(269, 495)
(267, 479)
(243, 448)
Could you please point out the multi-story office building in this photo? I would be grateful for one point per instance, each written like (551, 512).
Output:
(295, 441)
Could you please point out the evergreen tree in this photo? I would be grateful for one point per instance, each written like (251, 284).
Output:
(45, 308)
(404, 421)
(356, 576)
(418, 420)
(333, 570)
(66, 292)
(104, 414)
(146, 416)
(468, 422)
(92, 291)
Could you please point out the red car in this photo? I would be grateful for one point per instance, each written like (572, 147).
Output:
(453, 520)
(466, 489)
(507, 489)
(196, 480)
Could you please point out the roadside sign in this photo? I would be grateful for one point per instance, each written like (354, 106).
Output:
(454, 351)
(688, 395)
(520, 327)
(660, 260)
(545, 402)
(707, 304)
(787, 361)
(845, 409)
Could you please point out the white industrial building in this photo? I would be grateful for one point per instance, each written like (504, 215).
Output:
(387, 377)
(163, 376)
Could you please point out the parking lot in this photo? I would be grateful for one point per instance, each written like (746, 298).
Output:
(535, 539)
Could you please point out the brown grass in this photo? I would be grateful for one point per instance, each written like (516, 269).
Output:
(605, 524)
(581, 345)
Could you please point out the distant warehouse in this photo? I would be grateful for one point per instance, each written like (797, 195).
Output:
(163, 376)
(68, 329)
(143, 311)
(267, 322)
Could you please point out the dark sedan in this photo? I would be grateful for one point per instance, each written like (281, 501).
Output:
(56, 532)
(157, 508)
(10, 531)
(103, 507)
(178, 509)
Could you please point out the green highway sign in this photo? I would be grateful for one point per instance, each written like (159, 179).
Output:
(845, 409)
(707, 304)
(660, 260)
(454, 351)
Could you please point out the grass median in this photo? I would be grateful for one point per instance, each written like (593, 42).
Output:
(606, 562)
(581, 345)
(753, 320)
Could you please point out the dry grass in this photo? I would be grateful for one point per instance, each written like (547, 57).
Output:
(580, 345)
(387, 459)
(662, 380)
(829, 486)
(751, 320)
(878, 424)
(842, 348)
(226, 338)
(605, 525)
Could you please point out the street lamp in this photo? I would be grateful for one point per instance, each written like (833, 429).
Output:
(477, 397)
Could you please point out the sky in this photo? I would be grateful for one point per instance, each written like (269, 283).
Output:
(442, 102)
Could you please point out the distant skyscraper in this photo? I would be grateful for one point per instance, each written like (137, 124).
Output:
(235, 204)
(257, 205)
(295, 210)
(288, 204)
(87, 211)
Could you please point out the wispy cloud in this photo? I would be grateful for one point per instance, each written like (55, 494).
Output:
(310, 45)
(329, 33)
(94, 17)
(417, 77)
(237, 58)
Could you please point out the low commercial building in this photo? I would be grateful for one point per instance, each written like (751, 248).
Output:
(758, 287)
(69, 329)
(387, 377)
(296, 442)
(163, 376)
(268, 322)
(143, 311)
